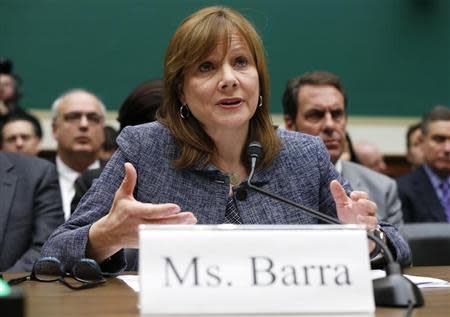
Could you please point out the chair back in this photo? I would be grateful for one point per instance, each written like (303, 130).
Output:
(429, 242)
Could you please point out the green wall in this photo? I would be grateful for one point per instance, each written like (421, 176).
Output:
(393, 55)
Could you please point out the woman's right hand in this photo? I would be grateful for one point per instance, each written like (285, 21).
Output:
(119, 228)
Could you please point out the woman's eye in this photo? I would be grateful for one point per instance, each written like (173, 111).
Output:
(205, 67)
(241, 61)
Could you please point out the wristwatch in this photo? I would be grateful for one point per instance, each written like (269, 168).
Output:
(378, 232)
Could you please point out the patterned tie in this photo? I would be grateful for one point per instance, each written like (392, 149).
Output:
(445, 188)
(231, 212)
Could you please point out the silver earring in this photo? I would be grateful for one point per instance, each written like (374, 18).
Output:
(184, 111)
(260, 102)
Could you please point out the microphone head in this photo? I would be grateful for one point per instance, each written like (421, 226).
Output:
(254, 150)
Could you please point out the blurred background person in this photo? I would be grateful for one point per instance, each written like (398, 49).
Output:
(414, 151)
(425, 191)
(139, 107)
(316, 103)
(109, 146)
(369, 155)
(348, 153)
(21, 133)
(9, 90)
(142, 104)
(77, 124)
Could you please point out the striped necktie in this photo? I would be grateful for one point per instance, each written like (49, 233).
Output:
(231, 212)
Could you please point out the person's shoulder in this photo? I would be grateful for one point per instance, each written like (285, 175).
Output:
(406, 179)
(23, 160)
(152, 131)
(295, 141)
(147, 140)
(300, 147)
(351, 167)
(26, 166)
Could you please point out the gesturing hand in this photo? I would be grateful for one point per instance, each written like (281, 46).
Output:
(356, 209)
(119, 228)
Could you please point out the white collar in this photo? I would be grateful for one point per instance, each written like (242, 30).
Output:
(338, 166)
(67, 177)
(65, 169)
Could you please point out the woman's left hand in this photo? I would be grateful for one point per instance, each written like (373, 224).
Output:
(356, 209)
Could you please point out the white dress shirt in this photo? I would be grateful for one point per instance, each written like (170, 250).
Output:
(338, 166)
(67, 178)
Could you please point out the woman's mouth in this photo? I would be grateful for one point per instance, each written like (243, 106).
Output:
(229, 102)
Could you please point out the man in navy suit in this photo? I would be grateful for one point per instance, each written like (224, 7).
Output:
(425, 192)
(30, 209)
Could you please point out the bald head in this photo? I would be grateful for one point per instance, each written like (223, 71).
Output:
(77, 96)
(370, 156)
(78, 121)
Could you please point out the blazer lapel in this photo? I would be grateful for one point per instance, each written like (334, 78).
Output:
(427, 195)
(7, 187)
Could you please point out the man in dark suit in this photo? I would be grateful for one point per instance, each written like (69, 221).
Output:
(425, 192)
(30, 209)
(77, 125)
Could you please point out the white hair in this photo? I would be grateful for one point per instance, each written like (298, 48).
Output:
(57, 102)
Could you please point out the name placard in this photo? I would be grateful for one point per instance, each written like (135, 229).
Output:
(254, 269)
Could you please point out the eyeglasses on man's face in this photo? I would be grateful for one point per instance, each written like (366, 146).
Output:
(76, 116)
(86, 272)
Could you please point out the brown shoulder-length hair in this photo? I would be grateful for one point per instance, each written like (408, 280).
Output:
(194, 40)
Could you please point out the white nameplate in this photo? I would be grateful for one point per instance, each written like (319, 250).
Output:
(255, 269)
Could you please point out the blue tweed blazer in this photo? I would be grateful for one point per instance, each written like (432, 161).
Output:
(301, 172)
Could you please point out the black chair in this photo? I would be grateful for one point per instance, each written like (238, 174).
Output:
(429, 242)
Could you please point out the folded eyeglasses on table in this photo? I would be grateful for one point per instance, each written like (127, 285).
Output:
(86, 272)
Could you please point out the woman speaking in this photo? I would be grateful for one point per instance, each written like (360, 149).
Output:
(191, 166)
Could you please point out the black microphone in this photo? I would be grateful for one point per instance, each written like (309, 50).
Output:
(394, 290)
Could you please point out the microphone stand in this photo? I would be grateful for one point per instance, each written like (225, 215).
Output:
(393, 290)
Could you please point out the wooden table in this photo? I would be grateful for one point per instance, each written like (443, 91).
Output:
(115, 298)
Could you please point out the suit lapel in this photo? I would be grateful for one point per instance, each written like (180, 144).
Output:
(427, 195)
(355, 182)
(7, 187)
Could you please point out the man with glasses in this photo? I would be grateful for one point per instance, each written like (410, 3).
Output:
(315, 103)
(78, 122)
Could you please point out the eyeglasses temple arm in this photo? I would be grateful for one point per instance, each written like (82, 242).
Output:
(18, 280)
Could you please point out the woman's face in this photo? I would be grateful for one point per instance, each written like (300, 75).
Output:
(222, 90)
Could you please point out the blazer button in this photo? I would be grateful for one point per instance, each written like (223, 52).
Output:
(241, 194)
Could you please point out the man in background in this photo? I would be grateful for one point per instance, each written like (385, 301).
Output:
(315, 103)
(30, 209)
(109, 145)
(140, 106)
(77, 126)
(425, 192)
(414, 152)
(9, 90)
(370, 156)
(21, 133)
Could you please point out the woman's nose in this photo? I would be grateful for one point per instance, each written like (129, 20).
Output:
(229, 78)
